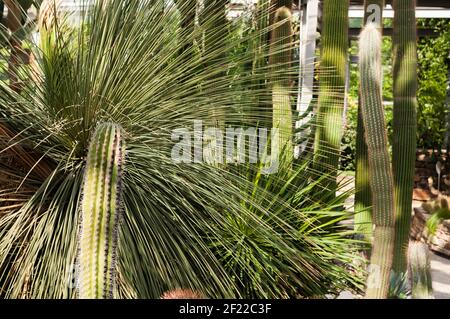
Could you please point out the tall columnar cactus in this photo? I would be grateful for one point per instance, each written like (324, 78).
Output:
(263, 116)
(381, 179)
(100, 213)
(187, 10)
(420, 271)
(331, 90)
(405, 124)
(363, 203)
(215, 25)
(280, 62)
(277, 4)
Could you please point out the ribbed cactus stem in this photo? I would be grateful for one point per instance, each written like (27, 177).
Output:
(277, 4)
(187, 10)
(380, 171)
(280, 62)
(331, 91)
(405, 124)
(420, 271)
(100, 209)
(363, 202)
(215, 24)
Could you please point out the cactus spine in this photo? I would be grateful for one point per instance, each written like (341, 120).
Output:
(280, 62)
(100, 209)
(420, 271)
(331, 90)
(381, 179)
(405, 124)
(363, 203)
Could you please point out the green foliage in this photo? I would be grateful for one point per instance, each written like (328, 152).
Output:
(399, 287)
(433, 76)
(348, 144)
(100, 213)
(291, 200)
(185, 225)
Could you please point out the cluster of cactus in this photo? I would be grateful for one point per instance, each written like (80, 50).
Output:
(280, 62)
(100, 213)
(380, 171)
(420, 271)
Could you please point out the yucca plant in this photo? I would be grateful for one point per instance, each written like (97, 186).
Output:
(184, 221)
(289, 196)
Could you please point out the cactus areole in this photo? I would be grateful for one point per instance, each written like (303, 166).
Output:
(100, 209)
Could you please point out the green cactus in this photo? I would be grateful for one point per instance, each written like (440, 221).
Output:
(280, 62)
(381, 179)
(420, 271)
(439, 210)
(363, 203)
(260, 47)
(405, 124)
(100, 213)
(215, 24)
(277, 4)
(188, 13)
(331, 91)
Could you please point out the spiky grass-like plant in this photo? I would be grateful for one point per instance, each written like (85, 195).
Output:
(291, 199)
(123, 65)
